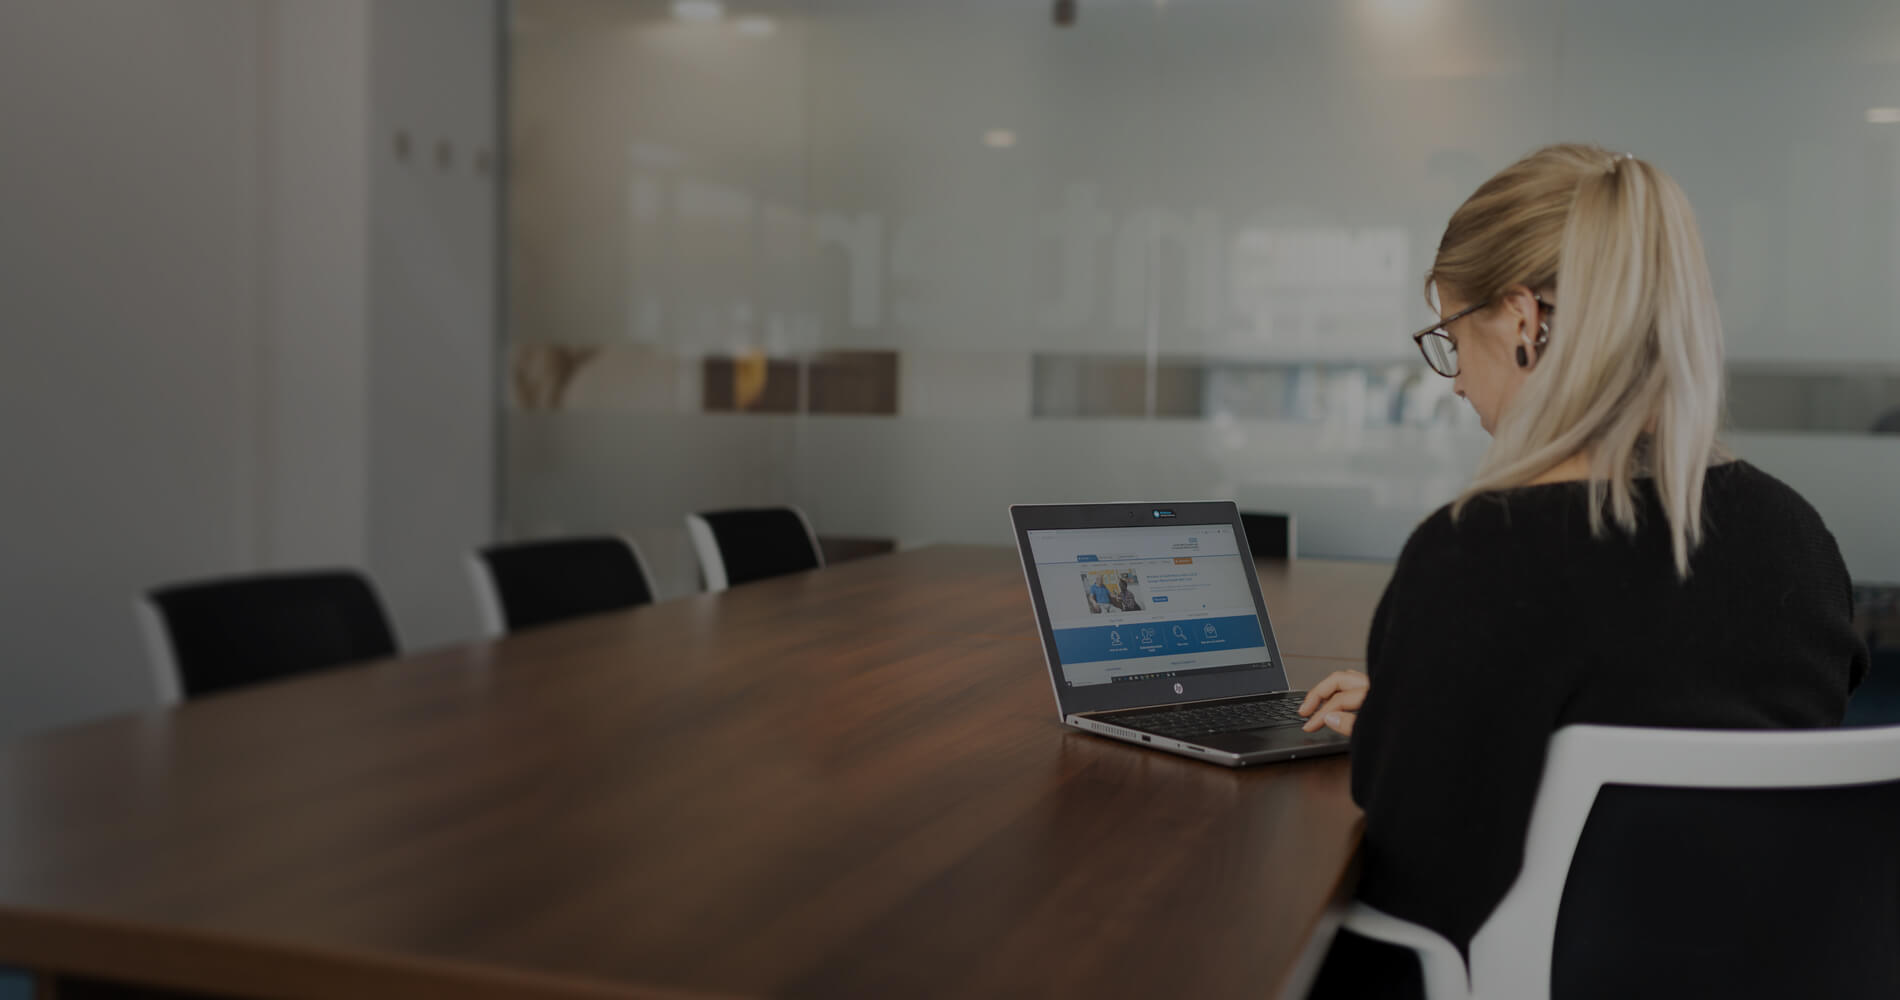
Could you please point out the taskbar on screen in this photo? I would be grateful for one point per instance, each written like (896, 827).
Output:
(1198, 672)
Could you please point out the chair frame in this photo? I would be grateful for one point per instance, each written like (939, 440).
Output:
(1511, 953)
(488, 594)
(167, 683)
(712, 562)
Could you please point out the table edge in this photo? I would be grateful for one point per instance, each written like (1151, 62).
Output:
(57, 942)
(1298, 978)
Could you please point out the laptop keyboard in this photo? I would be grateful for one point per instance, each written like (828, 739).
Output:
(1215, 717)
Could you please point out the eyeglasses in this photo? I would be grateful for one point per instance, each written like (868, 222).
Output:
(1441, 352)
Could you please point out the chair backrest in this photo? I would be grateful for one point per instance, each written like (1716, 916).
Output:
(1705, 862)
(1270, 536)
(739, 546)
(524, 584)
(213, 635)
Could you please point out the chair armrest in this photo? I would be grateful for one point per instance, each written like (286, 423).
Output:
(1443, 968)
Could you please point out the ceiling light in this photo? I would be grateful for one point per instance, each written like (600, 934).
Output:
(1883, 116)
(1400, 11)
(698, 10)
(999, 138)
(754, 26)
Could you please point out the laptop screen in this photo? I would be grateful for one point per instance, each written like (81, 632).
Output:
(1149, 602)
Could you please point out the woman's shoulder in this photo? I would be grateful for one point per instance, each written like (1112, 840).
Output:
(1486, 517)
(1509, 534)
(1492, 526)
(1471, 550)
(1745, 509)
(1513, 537)
(1437, 534)
(1751, 492)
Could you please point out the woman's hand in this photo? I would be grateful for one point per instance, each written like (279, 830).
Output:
(1334, 702)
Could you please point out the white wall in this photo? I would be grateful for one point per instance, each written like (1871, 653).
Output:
(129, 362)
(191, 312)
(314, 335)
(435, 77)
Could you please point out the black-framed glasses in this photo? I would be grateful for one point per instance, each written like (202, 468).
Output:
(1441, 352)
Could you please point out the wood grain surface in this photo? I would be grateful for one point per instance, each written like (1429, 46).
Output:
(843, 783)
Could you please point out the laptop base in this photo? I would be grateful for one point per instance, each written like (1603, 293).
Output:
(1236, 749)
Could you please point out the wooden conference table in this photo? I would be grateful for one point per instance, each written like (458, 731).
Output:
(842, 783)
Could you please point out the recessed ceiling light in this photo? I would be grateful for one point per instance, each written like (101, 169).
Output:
(1883, 116)
(754, 26)
(1399, 11)
(698, 10)
(999, 138)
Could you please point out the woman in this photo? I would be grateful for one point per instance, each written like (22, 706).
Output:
(1610, 564)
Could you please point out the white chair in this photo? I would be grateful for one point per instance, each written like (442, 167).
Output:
(739, 546)
(1511, 954)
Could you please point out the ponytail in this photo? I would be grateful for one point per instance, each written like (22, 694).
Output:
(1633, 371)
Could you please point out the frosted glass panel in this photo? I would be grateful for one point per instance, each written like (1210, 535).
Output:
(1760, 109)
(926, 259)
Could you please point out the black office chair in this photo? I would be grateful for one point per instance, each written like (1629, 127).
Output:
(1269, 536)
(526, 584)
(739, 546)
(210, 636)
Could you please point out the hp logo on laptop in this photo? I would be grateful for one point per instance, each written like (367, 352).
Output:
(1177, 688)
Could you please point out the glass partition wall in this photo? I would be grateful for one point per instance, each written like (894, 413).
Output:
(903, 263)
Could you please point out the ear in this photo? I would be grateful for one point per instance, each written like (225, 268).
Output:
(1522, 303)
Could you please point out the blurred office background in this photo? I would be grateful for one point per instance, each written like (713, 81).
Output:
(369, 282)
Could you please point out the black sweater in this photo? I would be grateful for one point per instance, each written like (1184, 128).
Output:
(1512, 621)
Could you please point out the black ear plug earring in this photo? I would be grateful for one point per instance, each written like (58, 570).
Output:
(1523, 357)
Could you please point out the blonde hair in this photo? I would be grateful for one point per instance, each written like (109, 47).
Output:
(1632, 373)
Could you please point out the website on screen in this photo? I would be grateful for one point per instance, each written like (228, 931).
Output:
(1140, 603)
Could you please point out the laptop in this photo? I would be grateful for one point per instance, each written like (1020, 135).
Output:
(1154, 630)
